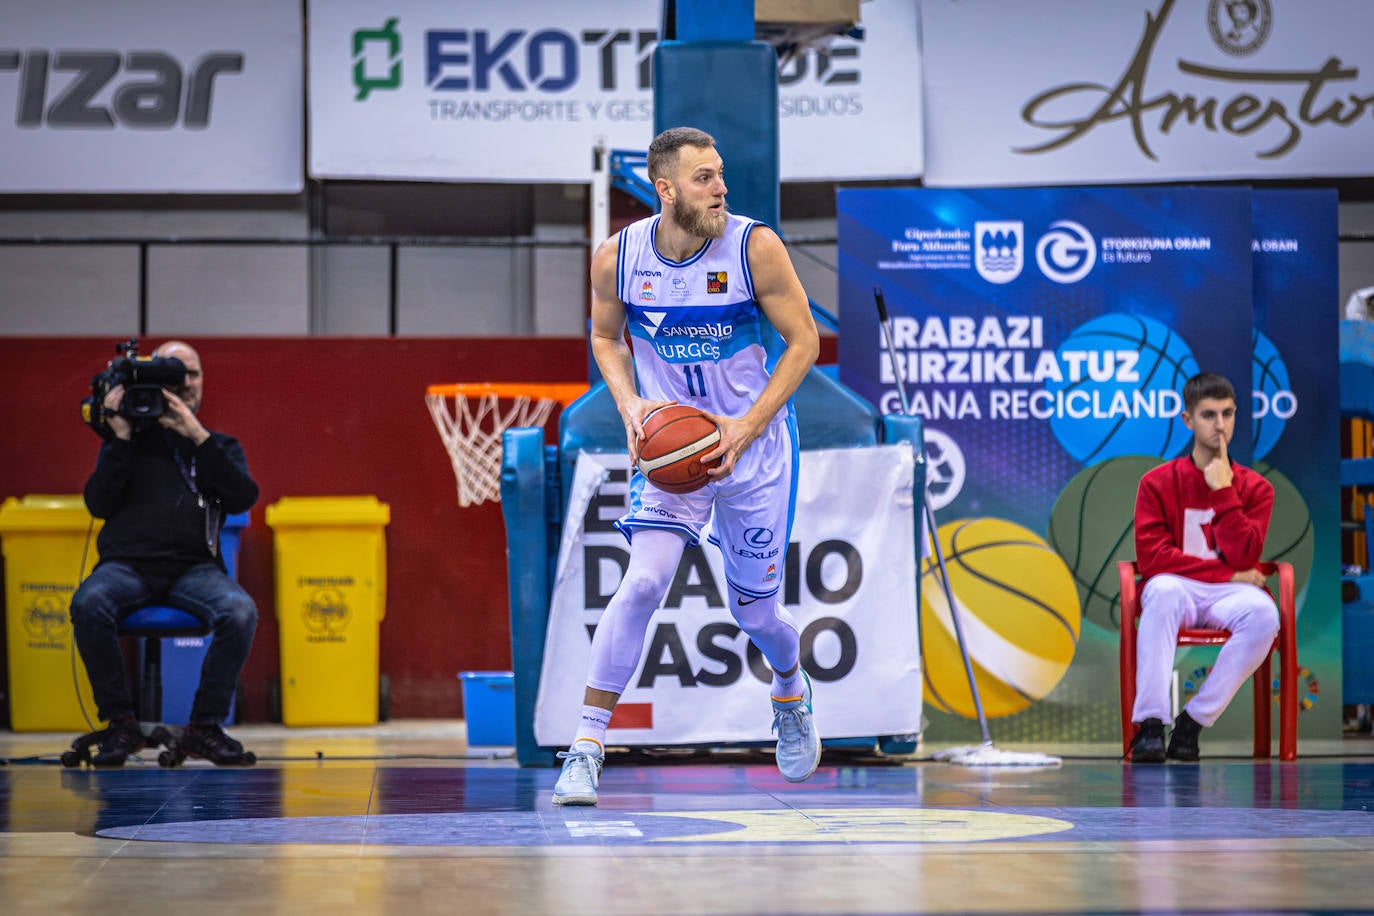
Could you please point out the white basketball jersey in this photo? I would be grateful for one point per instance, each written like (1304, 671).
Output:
(696, 330)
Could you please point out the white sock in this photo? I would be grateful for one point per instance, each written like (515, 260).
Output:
(790, 687)
(593, 725)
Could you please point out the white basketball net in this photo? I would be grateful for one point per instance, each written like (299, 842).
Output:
(472, 437)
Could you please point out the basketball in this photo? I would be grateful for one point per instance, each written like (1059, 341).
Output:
(675, 438)
(1164, 363)
(1272, 397)
(1092, 526)
(1018, 611)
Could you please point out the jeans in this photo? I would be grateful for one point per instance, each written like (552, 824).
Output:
(114, 590)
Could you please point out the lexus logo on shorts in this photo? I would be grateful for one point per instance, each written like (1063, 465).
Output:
(758, 537)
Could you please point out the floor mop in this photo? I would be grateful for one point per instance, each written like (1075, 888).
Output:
(985, 754)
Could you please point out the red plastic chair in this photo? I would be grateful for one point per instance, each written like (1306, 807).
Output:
(1285, 643)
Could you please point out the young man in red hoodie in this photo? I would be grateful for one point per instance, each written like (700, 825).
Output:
(1200, 522)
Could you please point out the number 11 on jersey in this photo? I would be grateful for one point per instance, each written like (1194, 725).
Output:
(696, 383)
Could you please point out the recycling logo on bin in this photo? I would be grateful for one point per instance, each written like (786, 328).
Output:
(47, 621)
(326, 614)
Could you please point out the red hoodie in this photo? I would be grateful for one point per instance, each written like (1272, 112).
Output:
(1185, 528)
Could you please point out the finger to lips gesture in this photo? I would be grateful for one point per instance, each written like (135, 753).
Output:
(1218, 472)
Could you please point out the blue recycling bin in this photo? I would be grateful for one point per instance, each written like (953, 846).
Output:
(182, 656)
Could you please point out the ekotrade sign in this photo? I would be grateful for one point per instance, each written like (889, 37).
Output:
(156, 96)
(524, 91)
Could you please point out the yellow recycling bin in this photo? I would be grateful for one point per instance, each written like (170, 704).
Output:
(331, 598)
(43, 539)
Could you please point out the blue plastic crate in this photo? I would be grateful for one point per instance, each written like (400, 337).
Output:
(489, 707)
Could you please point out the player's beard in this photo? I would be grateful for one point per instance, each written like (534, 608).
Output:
(701, 221)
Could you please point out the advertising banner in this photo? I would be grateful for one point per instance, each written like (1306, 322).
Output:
(1077, 91)
(524, 92)
(1297, 425)
(1045, 336)
(848, 579)
(151, 96)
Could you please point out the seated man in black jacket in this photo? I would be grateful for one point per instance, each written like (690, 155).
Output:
(163, 492)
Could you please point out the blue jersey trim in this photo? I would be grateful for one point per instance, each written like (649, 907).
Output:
(620, 265)
(744, 260)
(626, 526)
(796, 471)
(750, 592)
(653, 246)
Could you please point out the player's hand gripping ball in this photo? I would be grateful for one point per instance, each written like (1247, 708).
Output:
(675, 438)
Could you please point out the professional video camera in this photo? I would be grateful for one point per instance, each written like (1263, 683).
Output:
(143, 378)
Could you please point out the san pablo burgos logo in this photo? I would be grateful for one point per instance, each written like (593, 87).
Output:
(1000, 250)
(1067, 252)
(654, 323)
(1272, 105)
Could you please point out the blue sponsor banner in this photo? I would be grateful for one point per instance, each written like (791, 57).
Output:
(1296, 409)
(1045, 330)
(1045, 336)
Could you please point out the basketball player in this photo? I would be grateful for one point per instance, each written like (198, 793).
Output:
(1200, 522)
(694, 284)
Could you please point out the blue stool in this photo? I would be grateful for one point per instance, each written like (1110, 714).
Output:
(153, 624)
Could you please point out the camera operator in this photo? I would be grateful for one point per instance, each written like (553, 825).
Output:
(163, 490)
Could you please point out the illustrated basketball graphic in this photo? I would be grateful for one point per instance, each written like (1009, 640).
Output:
(1018, 610)
(1272, 399)
(1092, 526)
(1290, 536)
(1120, 391)
(675, 438)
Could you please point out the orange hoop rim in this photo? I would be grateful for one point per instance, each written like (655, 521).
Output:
(562, 392)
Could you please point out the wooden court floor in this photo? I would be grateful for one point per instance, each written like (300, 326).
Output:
(405, 818)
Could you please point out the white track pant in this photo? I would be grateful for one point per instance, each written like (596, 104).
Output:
(1170, 603)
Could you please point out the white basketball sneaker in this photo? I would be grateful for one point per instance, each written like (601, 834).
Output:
(799, 747)
(581, 774)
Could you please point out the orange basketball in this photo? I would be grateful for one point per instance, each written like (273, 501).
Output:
(675, 438)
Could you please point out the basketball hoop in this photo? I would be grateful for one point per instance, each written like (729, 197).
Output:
(470, 422)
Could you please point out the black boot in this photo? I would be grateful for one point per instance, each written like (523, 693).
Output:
(1148, 746)
(122, 738)
(1183, 739)
(211, 743)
